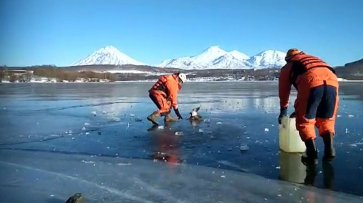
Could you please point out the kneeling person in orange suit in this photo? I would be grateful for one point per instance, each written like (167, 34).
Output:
(164, 93)
(316, 103)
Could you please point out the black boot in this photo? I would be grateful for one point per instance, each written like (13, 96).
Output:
(311, 172)
(329, 151)
(311, 155)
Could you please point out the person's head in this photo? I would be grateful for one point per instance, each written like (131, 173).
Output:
(182, 77)
(291, 53)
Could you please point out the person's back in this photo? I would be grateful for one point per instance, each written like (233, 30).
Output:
(312, 71)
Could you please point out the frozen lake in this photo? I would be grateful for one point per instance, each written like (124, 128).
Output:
(81, 133)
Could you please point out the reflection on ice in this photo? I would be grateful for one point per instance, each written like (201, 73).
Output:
(293, 170)
(291, 167)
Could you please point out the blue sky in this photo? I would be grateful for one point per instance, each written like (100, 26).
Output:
(61, 32)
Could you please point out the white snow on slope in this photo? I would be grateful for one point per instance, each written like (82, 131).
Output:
(108, 55)
(268, 59)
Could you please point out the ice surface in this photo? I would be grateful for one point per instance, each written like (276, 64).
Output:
(57, 119)
(49, 177)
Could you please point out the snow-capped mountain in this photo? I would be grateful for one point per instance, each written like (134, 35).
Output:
(216, 58)
(108, 55)
(268, 59)
(211, 58)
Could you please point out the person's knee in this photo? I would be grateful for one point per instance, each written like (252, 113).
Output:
(306, 131)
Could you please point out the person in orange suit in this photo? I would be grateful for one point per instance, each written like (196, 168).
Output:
(316, 104)
(164, 93)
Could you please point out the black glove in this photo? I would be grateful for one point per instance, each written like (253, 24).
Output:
(293, 115)
(283, 112)
(178, 113)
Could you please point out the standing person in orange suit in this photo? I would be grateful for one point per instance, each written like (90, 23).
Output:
(164, 93)
(316, 104)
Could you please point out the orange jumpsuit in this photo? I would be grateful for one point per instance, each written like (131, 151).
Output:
(317, 94)
(164, 93)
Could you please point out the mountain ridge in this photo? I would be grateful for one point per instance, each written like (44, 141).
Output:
(211, 58)
(217, 58)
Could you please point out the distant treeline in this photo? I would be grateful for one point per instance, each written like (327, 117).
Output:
(350, 71)
(71, 75)
(52, 72)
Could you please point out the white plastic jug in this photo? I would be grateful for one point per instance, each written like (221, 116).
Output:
(289, 138)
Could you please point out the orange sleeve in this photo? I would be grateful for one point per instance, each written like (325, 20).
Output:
(173, 88)
(285, 85)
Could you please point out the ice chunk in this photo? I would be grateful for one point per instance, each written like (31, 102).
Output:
(356, 144)
(350, 116)
(160, 127)
(179, 133)
(244, 147)
(87, 162)
(116, 119)
(267, 130)
(219, 123)
(124, 164)
(200, 130)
